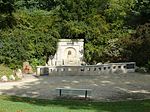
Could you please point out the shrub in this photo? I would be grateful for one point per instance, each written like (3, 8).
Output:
(33, 38)
(4, 70)
(148, 66)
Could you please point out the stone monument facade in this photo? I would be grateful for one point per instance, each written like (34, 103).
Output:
(69, 53)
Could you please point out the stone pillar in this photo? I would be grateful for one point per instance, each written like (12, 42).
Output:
(38, 71)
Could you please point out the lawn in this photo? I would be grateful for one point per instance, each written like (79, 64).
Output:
(18, 104)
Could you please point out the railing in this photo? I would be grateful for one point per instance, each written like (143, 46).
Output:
(87, 70)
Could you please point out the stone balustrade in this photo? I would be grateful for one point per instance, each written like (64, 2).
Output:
(88, 69)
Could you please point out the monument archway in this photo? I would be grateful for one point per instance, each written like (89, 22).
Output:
(69, 53)
(70, 56)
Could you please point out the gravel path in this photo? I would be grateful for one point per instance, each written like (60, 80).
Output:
(104, 87)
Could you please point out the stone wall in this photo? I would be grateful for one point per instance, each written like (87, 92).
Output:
(88, 69)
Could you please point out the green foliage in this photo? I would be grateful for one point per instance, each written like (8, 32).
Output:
(7, 6)
(140, 13)
(140, 49)
(117, 12)
(136, 46)
(7, 21)
(32, 38)
(36, 62)
(5, 71)
(6, 18)
(148, 66)
(107, 26)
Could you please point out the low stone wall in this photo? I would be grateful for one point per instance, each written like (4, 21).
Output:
(88, 69)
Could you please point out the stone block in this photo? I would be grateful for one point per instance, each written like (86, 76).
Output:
(12, 77)
(19, 74)
(4, 78)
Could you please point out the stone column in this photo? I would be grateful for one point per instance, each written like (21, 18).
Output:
(38, 71)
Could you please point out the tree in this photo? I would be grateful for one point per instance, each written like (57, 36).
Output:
(140, 51)
(33, 39)
(6, 17)
(139, 14)
(7, 6)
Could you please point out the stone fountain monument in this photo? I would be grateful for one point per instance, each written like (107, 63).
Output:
(69, 53)
(68, 60)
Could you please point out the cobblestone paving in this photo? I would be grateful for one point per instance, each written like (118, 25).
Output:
(104, 87)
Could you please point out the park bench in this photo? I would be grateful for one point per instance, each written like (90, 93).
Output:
(73, 92)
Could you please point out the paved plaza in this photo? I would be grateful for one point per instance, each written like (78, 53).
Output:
(109, 87)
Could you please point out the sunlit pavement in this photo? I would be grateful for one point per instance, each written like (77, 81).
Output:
(109, 87)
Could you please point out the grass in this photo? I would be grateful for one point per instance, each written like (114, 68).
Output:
(5, 70)
(18, 104)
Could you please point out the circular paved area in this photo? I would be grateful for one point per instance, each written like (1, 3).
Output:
(104, 87)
